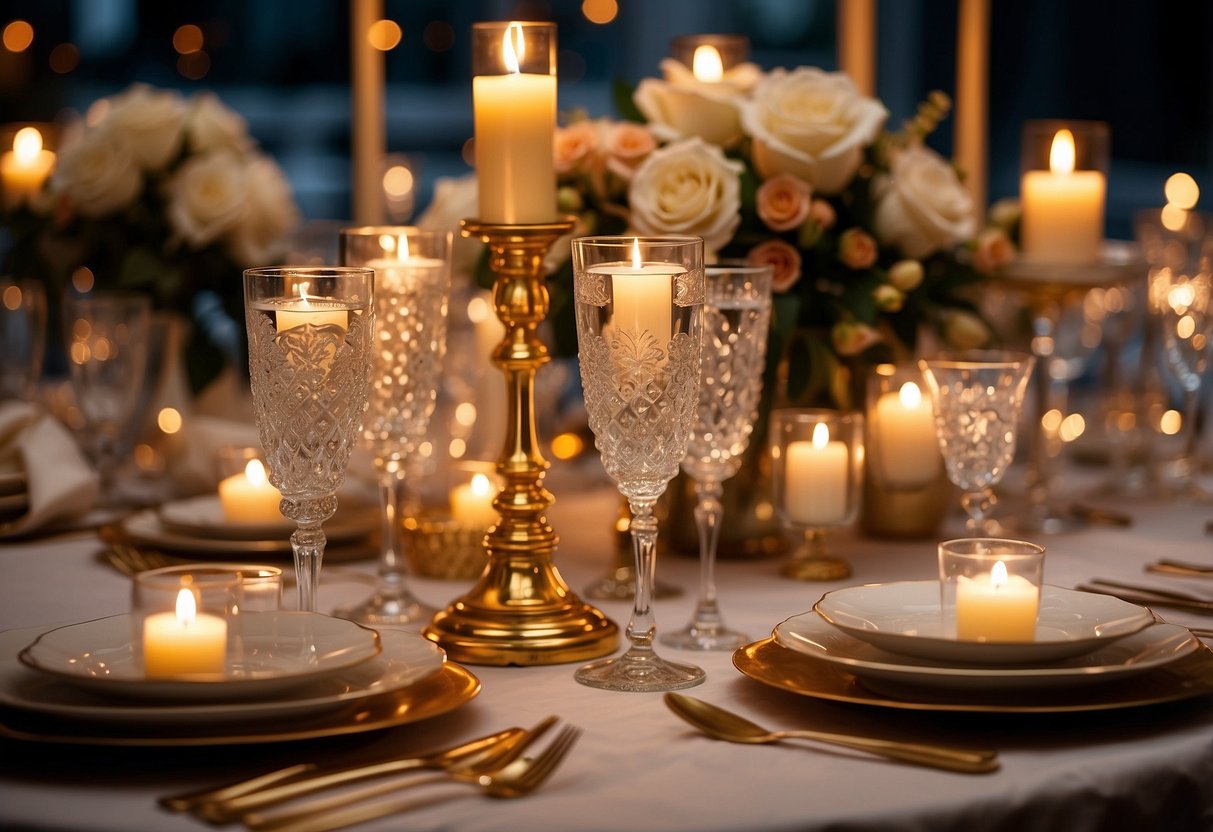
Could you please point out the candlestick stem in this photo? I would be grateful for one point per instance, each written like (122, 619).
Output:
(521, 611)
(814, 562)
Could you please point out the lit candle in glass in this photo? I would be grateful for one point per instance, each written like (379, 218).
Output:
(904, 428)
(817, 479)
(514, 106)
(472, 503)
(1063, 204)
(992, 587)
(309, 310)
(25, 168)
(184, 641)
(642, 294)
(248, 497)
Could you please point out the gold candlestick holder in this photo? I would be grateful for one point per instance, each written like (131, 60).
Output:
(521, 611)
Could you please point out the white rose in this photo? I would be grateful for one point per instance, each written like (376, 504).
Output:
(812, 124)
(151, 121)
(96, 173)
(680, 110)
(207, 197)
(210, 125)
(687, 188)
(269, 215)
(455, 198)
(922, 207)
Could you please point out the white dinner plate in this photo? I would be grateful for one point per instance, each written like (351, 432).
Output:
(202, 517)
(905, 617)
(279, 651)
(1156, 645)
(13, 482)
(146, 528)
(406, 659)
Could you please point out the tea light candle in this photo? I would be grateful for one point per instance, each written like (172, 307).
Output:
(996, 606)
(248, 497)
(25, 168)
(309, 310)
(515, 120)
(472, 503)
(817, 480)
(185, 641)
(905, 426)
(1063, 208)
(642, 295)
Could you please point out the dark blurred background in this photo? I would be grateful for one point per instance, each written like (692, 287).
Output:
(1146, 68)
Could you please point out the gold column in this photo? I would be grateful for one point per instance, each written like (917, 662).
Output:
(521, 611)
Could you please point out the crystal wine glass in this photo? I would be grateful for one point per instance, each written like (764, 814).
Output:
(107, 345)
(736, 317)
(412, 283)
(978, 397)
(309, 332)
(639, 308)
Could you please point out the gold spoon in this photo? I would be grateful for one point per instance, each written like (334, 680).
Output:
(723, 725)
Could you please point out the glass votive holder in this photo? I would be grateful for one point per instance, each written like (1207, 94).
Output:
(817, 471)
(722, 51)
(245, 493)
(183, 620)
(1063, 190)
(990, 588)
(902, 449)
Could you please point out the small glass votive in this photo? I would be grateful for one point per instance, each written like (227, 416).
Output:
(1063, 190)
(245, 493)
(183, 620)
(699, 53)
(902, 449)
(817, 471)
(990, 588)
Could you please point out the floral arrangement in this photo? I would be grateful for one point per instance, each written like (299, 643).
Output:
(870, 232)
(159, 194)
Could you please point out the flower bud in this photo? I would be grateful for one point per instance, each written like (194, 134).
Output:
(906, 275)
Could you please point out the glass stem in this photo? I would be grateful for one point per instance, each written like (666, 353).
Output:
(307, 544)
(708, 512)
(978, 505)
(1194, 416)
(392, 502)
(643, 626)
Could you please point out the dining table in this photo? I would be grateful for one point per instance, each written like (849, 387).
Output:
(1135, 764)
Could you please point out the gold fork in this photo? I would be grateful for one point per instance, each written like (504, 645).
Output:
(515, 779)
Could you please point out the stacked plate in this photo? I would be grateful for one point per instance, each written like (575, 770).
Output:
(14, 495)
(83, 684)
(197, 526)
(888, 644)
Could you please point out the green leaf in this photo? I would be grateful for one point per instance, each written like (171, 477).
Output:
(621, 92)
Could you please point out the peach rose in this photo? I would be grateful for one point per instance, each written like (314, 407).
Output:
(857, 249)
(852, 338)
(573, 145)
(823, 213)
(625, 146)
(993, 248)
(783, 258)
(783, 202)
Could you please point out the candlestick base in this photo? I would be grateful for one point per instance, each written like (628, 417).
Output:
(521, 612)
(813, 562)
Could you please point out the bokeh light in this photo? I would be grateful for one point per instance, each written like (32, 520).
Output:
(18, 36)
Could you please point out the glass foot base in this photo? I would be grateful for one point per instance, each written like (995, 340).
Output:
(705, 638)
(637, 672)
(620, 585)
(825, 568)
(388, 608)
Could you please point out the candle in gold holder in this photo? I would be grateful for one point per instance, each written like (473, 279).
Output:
(1062, 190)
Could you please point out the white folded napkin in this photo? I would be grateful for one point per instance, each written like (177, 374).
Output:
(60, 481)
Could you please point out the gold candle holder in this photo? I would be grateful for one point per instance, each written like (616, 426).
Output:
(521, 612)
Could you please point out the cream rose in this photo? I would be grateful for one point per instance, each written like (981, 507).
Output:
(922, 207)
(783, 202)
(96, 174)
(210, 125)
(812, 124)
(269, 214)
(625, 145)
(150, 121)
(680, 110)
(207, 197)
(783, 259)
(687, 188)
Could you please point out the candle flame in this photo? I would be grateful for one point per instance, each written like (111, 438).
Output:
(821, 435)
(706, 64)
(255, 472)
(187, 607)
(27, 144)
(910, 395)
(513, 48)
(636, 261)
(481, 485)
(998, 575)
(301, 289)
(1061, 154)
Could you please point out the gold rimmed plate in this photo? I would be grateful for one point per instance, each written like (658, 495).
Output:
(768, 662)
(202, 517)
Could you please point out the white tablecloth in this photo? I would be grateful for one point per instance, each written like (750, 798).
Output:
(637, 767)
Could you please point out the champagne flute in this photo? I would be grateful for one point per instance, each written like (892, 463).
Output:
(639, 309)
(736, 315)
(412, 283)
(309, 331)
(978, 397)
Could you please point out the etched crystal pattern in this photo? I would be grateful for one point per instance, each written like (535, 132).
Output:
(976, 426)
(641, 403)
(734, 351)
(408, 349)
(309, 387)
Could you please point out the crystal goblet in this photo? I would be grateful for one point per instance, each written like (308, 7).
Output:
(639, 309)
(978, 397)
(412, 284)
(309, 332)
(736, 317)
(817, 473)
(107, 345)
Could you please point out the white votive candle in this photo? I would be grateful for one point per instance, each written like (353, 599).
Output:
(816, 480)
(309, 309)
(184, 642)
(1063, 208)
(996, 606)
(905, 430)
(248, 497)
(472, 503)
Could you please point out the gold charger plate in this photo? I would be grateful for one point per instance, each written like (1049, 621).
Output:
(772, 664)
(438, 694)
